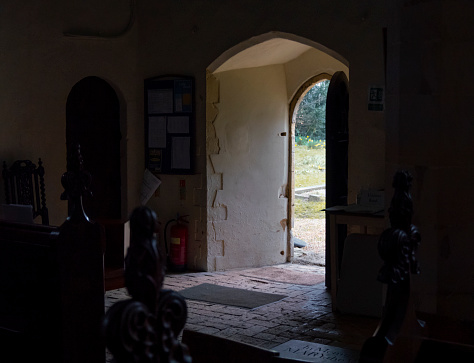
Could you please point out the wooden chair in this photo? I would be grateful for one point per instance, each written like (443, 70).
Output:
(24, 184)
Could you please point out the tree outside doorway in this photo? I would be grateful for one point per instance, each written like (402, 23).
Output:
(309, 232)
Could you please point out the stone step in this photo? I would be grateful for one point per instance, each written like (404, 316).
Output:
(309, 189)
(311, 197)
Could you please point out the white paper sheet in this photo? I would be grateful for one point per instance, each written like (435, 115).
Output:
(149, 185)
(157, 132)
(178, 124)
(160, 101)
(180, 153)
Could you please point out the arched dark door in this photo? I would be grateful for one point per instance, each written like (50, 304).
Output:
(337, 145)
(93, 121)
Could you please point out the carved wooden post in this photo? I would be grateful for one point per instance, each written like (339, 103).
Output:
(145, 328)
(397, 247)
(80, 253)
(44, 211)
(7, 186)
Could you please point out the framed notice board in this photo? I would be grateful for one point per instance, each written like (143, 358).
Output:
(169, 125)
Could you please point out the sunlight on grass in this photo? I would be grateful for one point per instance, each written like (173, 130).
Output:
(310, 166)
(305, 209)
(310, 170)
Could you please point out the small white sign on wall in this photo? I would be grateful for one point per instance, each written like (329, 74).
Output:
(376, 98)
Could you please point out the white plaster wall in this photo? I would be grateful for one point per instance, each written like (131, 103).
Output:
(253, 165)
(309, 64)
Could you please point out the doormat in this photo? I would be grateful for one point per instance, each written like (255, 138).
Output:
(229, 296)
(286, 276)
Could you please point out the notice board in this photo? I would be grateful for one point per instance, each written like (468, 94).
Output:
(169, 125)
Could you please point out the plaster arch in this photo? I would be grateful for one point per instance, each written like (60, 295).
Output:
(262, 38)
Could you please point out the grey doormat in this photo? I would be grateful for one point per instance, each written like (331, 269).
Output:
(229, 296)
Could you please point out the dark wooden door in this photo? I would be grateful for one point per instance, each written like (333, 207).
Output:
(337, 145)
(93, 121)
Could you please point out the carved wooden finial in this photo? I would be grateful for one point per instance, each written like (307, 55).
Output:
(146, 327)
(5, 178)
(42, 191)
(397, 247)
(398, 244)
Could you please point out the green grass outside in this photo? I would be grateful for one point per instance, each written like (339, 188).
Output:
(310, 166)
(311, 210)
(310, 169)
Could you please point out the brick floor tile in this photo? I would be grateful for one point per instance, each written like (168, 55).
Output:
(244, 338)
(209, 330)
(229, 332)
(253, 330)
(277, 330)
(260, 322)
(270, 337)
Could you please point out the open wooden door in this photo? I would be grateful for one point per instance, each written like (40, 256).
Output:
(337, 145)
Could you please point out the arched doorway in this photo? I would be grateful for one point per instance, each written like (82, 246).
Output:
(93, 121)
(249, 89)
(308, 171)
(337, 148)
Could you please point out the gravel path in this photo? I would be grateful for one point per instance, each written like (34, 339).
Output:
(313, 232)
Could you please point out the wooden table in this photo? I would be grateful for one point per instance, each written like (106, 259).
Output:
(337, 217)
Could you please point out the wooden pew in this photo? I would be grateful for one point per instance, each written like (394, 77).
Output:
(206, 348)
(52, 283)
(81, 270)
(30, 304)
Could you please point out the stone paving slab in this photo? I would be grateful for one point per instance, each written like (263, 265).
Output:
(315, 352)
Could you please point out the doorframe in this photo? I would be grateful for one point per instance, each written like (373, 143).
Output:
(294, 104)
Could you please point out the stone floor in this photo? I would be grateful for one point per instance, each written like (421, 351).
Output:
(305, 314)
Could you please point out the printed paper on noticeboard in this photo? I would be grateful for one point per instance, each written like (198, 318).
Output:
(160, 101)
(180, 153)
(178, 124)
(157, 132)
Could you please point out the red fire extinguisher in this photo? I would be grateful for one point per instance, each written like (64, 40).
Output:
(178, 244)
